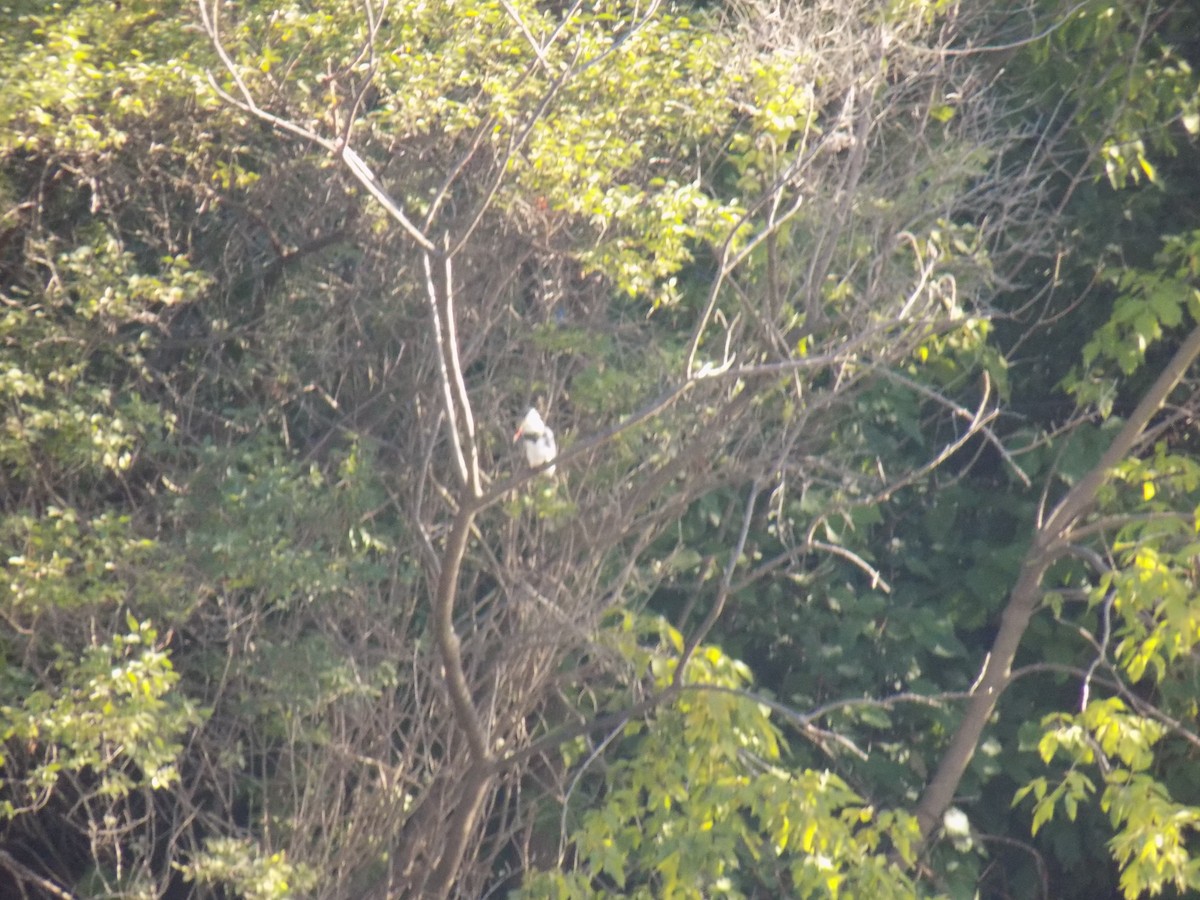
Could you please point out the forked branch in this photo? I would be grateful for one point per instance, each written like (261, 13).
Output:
(1051, 539)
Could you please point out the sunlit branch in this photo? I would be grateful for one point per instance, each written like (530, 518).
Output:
(210, 20)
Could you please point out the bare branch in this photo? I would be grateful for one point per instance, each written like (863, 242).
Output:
(25, 874)
(210, 20)
(718, 605)
(877, 580)
(1102, 524)
(1049, 540)
(978, 422)
(445, 357)
(463, 405)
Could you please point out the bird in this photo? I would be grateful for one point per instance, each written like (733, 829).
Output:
(537, 439)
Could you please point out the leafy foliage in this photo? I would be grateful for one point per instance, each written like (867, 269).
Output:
(285, 616)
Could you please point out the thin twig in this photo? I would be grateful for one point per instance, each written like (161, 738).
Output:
(877, 580)
(210, 21)
(718, 605)
(978, 424)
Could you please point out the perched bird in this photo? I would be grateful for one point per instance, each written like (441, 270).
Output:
(537, 439)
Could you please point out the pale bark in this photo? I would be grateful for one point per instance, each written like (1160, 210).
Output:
(1051, 536)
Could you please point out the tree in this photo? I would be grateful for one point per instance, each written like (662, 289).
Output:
(289, 618)
(534, 120)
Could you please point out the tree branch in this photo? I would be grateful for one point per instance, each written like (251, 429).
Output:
(1047, 543)
(210, 21)
(723, 591)
(25, 874)
(447, 639)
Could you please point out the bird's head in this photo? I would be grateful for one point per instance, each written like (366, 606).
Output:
(530, 426)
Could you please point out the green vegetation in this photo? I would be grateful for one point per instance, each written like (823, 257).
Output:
(869, 335)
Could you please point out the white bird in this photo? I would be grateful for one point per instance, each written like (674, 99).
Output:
(538, 441)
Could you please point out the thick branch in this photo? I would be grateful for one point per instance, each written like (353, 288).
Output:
(1047, 542)
(461, 825)
(447, 639)
(1077, 501)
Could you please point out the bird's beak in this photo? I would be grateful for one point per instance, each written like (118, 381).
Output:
(517, 436)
